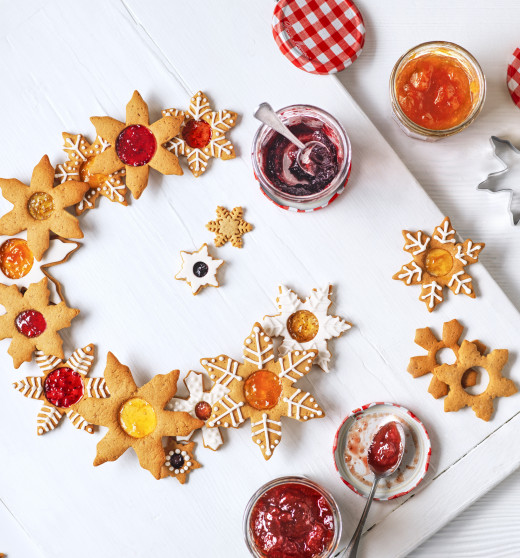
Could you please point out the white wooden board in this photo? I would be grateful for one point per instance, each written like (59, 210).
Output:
(122, 279)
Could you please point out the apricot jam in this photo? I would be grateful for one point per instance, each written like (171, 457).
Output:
(16, 258)
(86, 175)
(262, 390)
(438, 262)
(303, 326)
(137, 418)
(40, 206)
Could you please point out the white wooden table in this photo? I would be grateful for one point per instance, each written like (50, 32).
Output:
(40, 47)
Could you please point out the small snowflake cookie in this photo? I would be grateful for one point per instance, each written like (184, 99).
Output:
(62, 385)
(261, 389)
(180, 460)
(229, 226)
(438, 261)
(199, 269)
(203, 133)
(81, 158)
(199, 405)
(305, 324)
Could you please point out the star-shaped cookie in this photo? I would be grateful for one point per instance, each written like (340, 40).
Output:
(199, 269)
(229, 226)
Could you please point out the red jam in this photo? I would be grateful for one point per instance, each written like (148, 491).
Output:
(292, 519)
(63, 387)
(136, 145)
(30, 323)
(434, 91)
(281, 166)
(385, 449)
(203, 410)
(197, 134)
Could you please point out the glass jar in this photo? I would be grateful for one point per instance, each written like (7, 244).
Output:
(472, 70)
(248, 534)
(314, 118)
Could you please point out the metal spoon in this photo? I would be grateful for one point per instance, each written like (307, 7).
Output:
(304, 157)
(351, 550)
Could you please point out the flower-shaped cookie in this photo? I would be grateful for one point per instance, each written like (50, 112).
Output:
(17, 266)
(262, 390)
(40, 207)
(305, 324)
(438, 262)
(62, 385)
(81, 157)
(136, 417)
(469, 356)
(136, 145)
(202, 134)
(180, 461)
(199, 404)
(229, 226)
(199, 269)
(31, 322)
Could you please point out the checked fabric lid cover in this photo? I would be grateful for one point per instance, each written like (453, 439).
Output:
(513, 77)
(319, 36)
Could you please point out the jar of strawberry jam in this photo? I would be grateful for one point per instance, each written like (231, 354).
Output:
(276, 167)
(437, 89)
(292, 516)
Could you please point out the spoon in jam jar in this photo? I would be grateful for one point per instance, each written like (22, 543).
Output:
(384, 457)
(310, 155)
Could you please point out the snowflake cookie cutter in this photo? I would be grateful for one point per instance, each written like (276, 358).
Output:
(501, 149)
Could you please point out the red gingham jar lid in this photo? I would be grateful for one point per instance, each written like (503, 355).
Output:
(513, 77)
(319, 36)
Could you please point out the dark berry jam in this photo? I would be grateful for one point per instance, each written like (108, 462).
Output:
(385, 449)
(30, 323)
(282, 169)
(197, 134)
(200, 269)
(136, 145)
(63, 387)
(292, 519)
(203, 410)
(176, 460)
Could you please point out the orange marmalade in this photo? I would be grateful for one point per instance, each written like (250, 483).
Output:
(434, 91)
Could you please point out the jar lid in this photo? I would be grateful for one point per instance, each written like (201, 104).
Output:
(513, 77)
(319, 36)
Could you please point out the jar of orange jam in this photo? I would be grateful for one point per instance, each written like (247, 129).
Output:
(437, 89)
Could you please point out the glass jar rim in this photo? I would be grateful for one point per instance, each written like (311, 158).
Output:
(462, 52)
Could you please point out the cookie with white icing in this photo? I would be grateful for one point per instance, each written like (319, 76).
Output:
(199, 269)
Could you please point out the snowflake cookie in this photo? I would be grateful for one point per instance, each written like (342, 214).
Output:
(199, 269)
(229, 226)
(136, 145)
(438, 262)
(469, 356)
(62, 385)
(40, 208)
(180, 460)
(81, 158)
(31, 322)
(261, 389)
(136, 417)
(202, 133)
(199, 405)
(305, 324)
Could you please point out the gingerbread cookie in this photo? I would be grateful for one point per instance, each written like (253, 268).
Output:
(81, 157)
(261, 389)
(438, 262)
(17, 266)
(203, 133)
(229, 226)
(469, 356)
(305, 324)
(199, 404)
(180, 461)
(199, 269)
(40, 208)
(31, 322)
(62, 385)
(136, 145)
(424, 364)
(136, 417)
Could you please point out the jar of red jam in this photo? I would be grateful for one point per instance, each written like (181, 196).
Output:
(437, 89)
(276, 168)
(292, 516)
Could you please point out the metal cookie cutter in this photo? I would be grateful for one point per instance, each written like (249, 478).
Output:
(508, 178)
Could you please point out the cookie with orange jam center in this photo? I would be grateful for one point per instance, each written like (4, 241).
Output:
(438, 262)
(262, 390)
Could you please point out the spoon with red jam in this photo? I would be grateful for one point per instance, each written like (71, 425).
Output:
(310, 156)
(384, 457)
